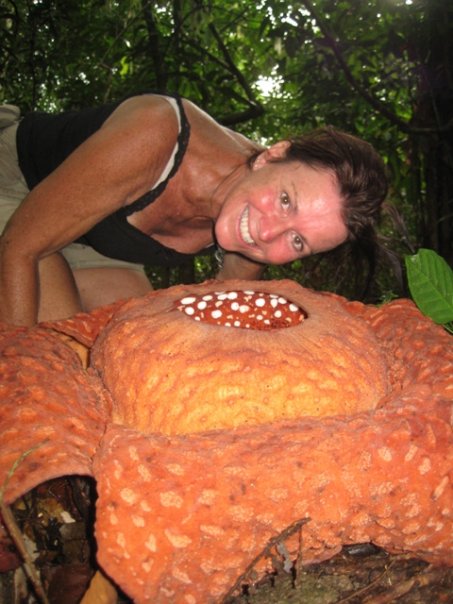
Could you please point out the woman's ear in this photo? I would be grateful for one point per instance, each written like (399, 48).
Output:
(273, 153)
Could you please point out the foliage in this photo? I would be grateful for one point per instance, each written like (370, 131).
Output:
(380, 69)
(73, 54)
(431, 285)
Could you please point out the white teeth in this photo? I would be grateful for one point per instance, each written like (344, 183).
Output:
(244, 227)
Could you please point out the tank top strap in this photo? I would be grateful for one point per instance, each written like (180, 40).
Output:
(173, 163)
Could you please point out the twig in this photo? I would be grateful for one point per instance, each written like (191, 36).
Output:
(299, 560)
(274, 541)
(15, 533)
(403, 588)
(373, 583)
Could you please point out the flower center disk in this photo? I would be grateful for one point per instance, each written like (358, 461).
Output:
(244, 309)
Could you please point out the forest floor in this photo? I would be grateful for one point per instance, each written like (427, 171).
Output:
(357, 575)
(56, 519)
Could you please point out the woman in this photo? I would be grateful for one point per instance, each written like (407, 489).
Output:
(90, 197)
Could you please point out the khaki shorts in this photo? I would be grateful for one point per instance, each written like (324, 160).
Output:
(13, 189)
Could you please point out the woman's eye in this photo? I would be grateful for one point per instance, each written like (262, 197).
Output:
(298, 243)
(285, 201)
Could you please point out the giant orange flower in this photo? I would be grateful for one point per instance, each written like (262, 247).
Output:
(214, 416)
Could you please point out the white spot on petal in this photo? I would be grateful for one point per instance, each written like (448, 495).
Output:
(121, 540)
(133, 454)
(151, 543)
(438, 491)
(147, 566)
(144, 472)
(181, 576)
(425, 466)
(175, 468)
(138, 521)
(411, 452)
(177, 540)
(212, 530)
(207, 496)
(128, 495)
(385, 454)
(170, 499)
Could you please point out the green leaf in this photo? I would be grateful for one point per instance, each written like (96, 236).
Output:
(431, 285)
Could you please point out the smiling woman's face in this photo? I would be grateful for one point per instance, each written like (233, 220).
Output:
(282, 211)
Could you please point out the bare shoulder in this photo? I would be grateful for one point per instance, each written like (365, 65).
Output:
(212, 138)
(142, 112)
(154, 113)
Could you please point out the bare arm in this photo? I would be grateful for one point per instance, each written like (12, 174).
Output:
(112, 168)
(12, 288)
(236, 266)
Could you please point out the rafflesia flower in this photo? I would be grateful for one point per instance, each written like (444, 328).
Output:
(224, 419)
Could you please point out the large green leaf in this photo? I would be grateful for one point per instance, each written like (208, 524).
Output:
(431, 285)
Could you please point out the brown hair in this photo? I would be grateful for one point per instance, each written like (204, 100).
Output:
(359, 170)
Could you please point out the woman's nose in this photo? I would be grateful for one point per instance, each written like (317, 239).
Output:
(270, 229)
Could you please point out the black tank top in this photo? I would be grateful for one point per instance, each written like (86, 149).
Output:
(43, 143)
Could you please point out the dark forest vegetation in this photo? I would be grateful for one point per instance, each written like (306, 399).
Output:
(382, 69)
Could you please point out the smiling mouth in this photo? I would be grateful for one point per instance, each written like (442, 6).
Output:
(244, 228)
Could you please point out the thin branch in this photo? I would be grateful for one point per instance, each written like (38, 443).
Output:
(370, 586)
(16, 535)
(255, 108)
(232, 66)
(251, 113)
(154, 46)
(266, 553)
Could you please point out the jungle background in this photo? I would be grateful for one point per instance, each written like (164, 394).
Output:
(380, 69)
